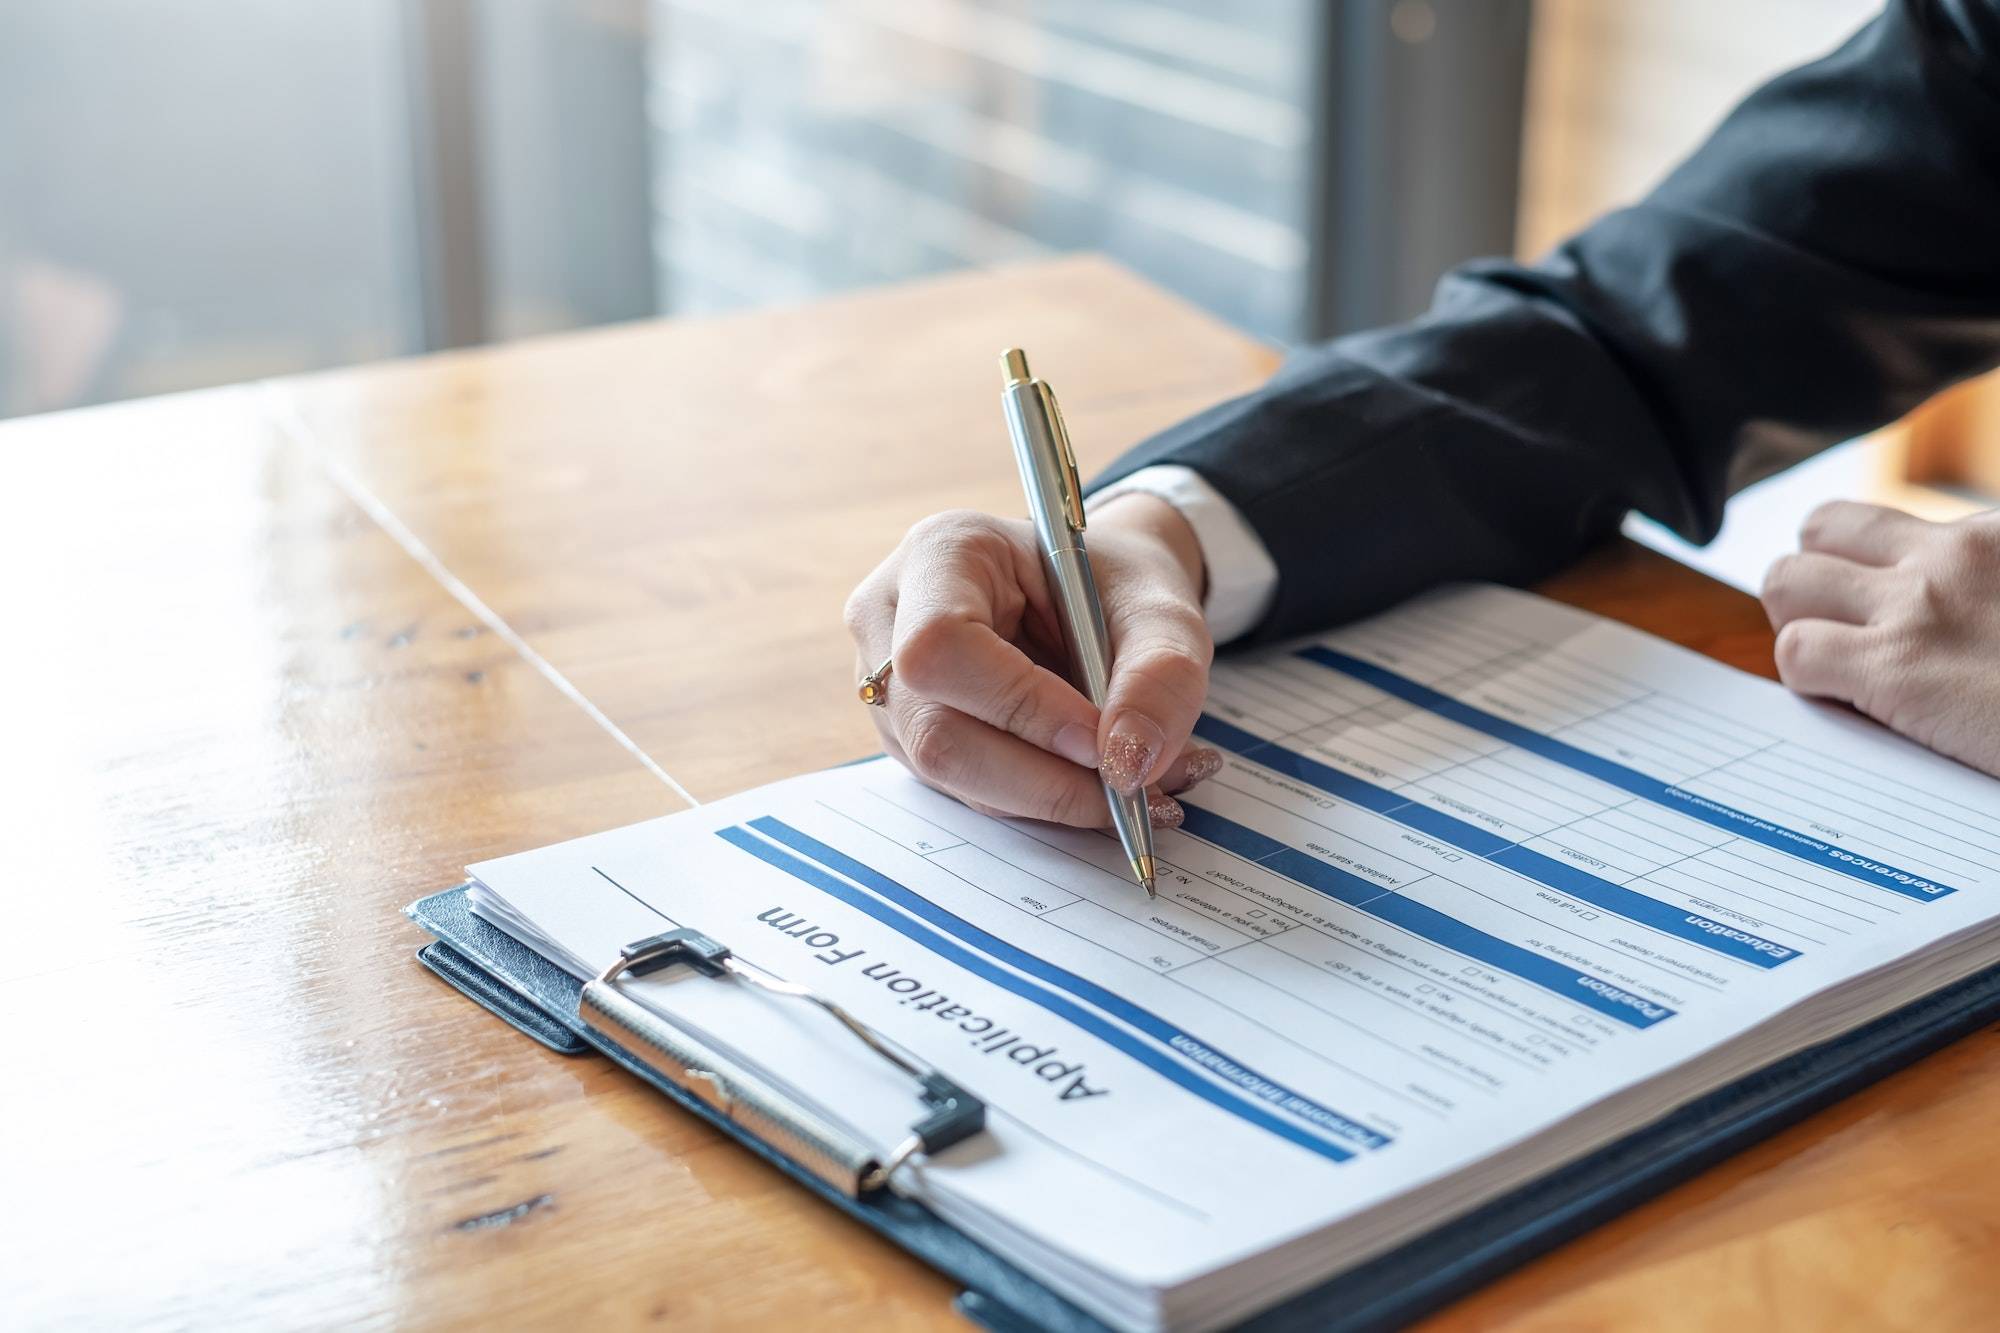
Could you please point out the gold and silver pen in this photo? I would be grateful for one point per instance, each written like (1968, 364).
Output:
(1055, 504)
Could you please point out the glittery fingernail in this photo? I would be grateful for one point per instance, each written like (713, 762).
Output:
(1164, 811)
(1199, 764)
(1130, 753)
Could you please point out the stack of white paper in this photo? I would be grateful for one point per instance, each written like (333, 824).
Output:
(1485, 884)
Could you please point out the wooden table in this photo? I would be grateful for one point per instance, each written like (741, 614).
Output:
(283, 657)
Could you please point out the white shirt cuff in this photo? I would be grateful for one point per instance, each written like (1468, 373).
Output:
(1242, 578)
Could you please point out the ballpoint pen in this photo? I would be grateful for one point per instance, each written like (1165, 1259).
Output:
(1055, 504)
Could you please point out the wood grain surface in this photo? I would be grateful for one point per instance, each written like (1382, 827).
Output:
(282, 658)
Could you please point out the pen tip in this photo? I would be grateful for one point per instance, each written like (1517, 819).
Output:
(1142, 870)
(1014, 365)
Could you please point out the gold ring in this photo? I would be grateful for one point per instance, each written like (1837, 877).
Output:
(874, 689)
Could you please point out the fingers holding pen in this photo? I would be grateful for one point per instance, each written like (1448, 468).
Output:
(1159, 677)
(1002, 775)
(971, 713)
(966, 666)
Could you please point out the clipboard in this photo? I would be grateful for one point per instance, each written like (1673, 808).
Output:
(542, 1001)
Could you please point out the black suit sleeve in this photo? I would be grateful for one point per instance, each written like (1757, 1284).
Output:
(1827, 260)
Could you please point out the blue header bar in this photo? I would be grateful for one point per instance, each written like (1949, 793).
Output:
(1242, 1080)
(1695, 928)
(1714, 813)
(1426, 922)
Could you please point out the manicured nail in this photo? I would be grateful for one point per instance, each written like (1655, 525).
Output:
(1078, 744)
(1203, 763)
(1164, 811)
(1197, 764)
(1131, 752)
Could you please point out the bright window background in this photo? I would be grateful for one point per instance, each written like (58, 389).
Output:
(810, 145)
(188, 201)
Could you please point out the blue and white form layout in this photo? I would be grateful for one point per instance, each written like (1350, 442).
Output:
(1484, 883)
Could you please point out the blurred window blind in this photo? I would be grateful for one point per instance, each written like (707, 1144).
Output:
(200, 191)
(283, 184)
(809, 145)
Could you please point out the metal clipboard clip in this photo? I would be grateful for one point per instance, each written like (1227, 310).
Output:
(855, 1168)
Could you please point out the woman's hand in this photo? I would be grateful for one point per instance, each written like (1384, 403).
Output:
(1899, 617)
(978, 705)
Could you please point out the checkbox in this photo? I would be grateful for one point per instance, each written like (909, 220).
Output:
(1469, 971)
(1424, 989)
(1590, 916)
(1536, 1039)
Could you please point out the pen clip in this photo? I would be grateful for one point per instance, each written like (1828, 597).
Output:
(1072, 485)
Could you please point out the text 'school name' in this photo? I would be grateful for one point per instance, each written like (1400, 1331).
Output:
(1068, 1077)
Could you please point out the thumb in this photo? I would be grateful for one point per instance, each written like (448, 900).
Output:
(1160, 651)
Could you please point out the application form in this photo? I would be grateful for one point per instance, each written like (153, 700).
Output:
(1483, 883)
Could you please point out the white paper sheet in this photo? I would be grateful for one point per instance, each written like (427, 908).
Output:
(1471, 867)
